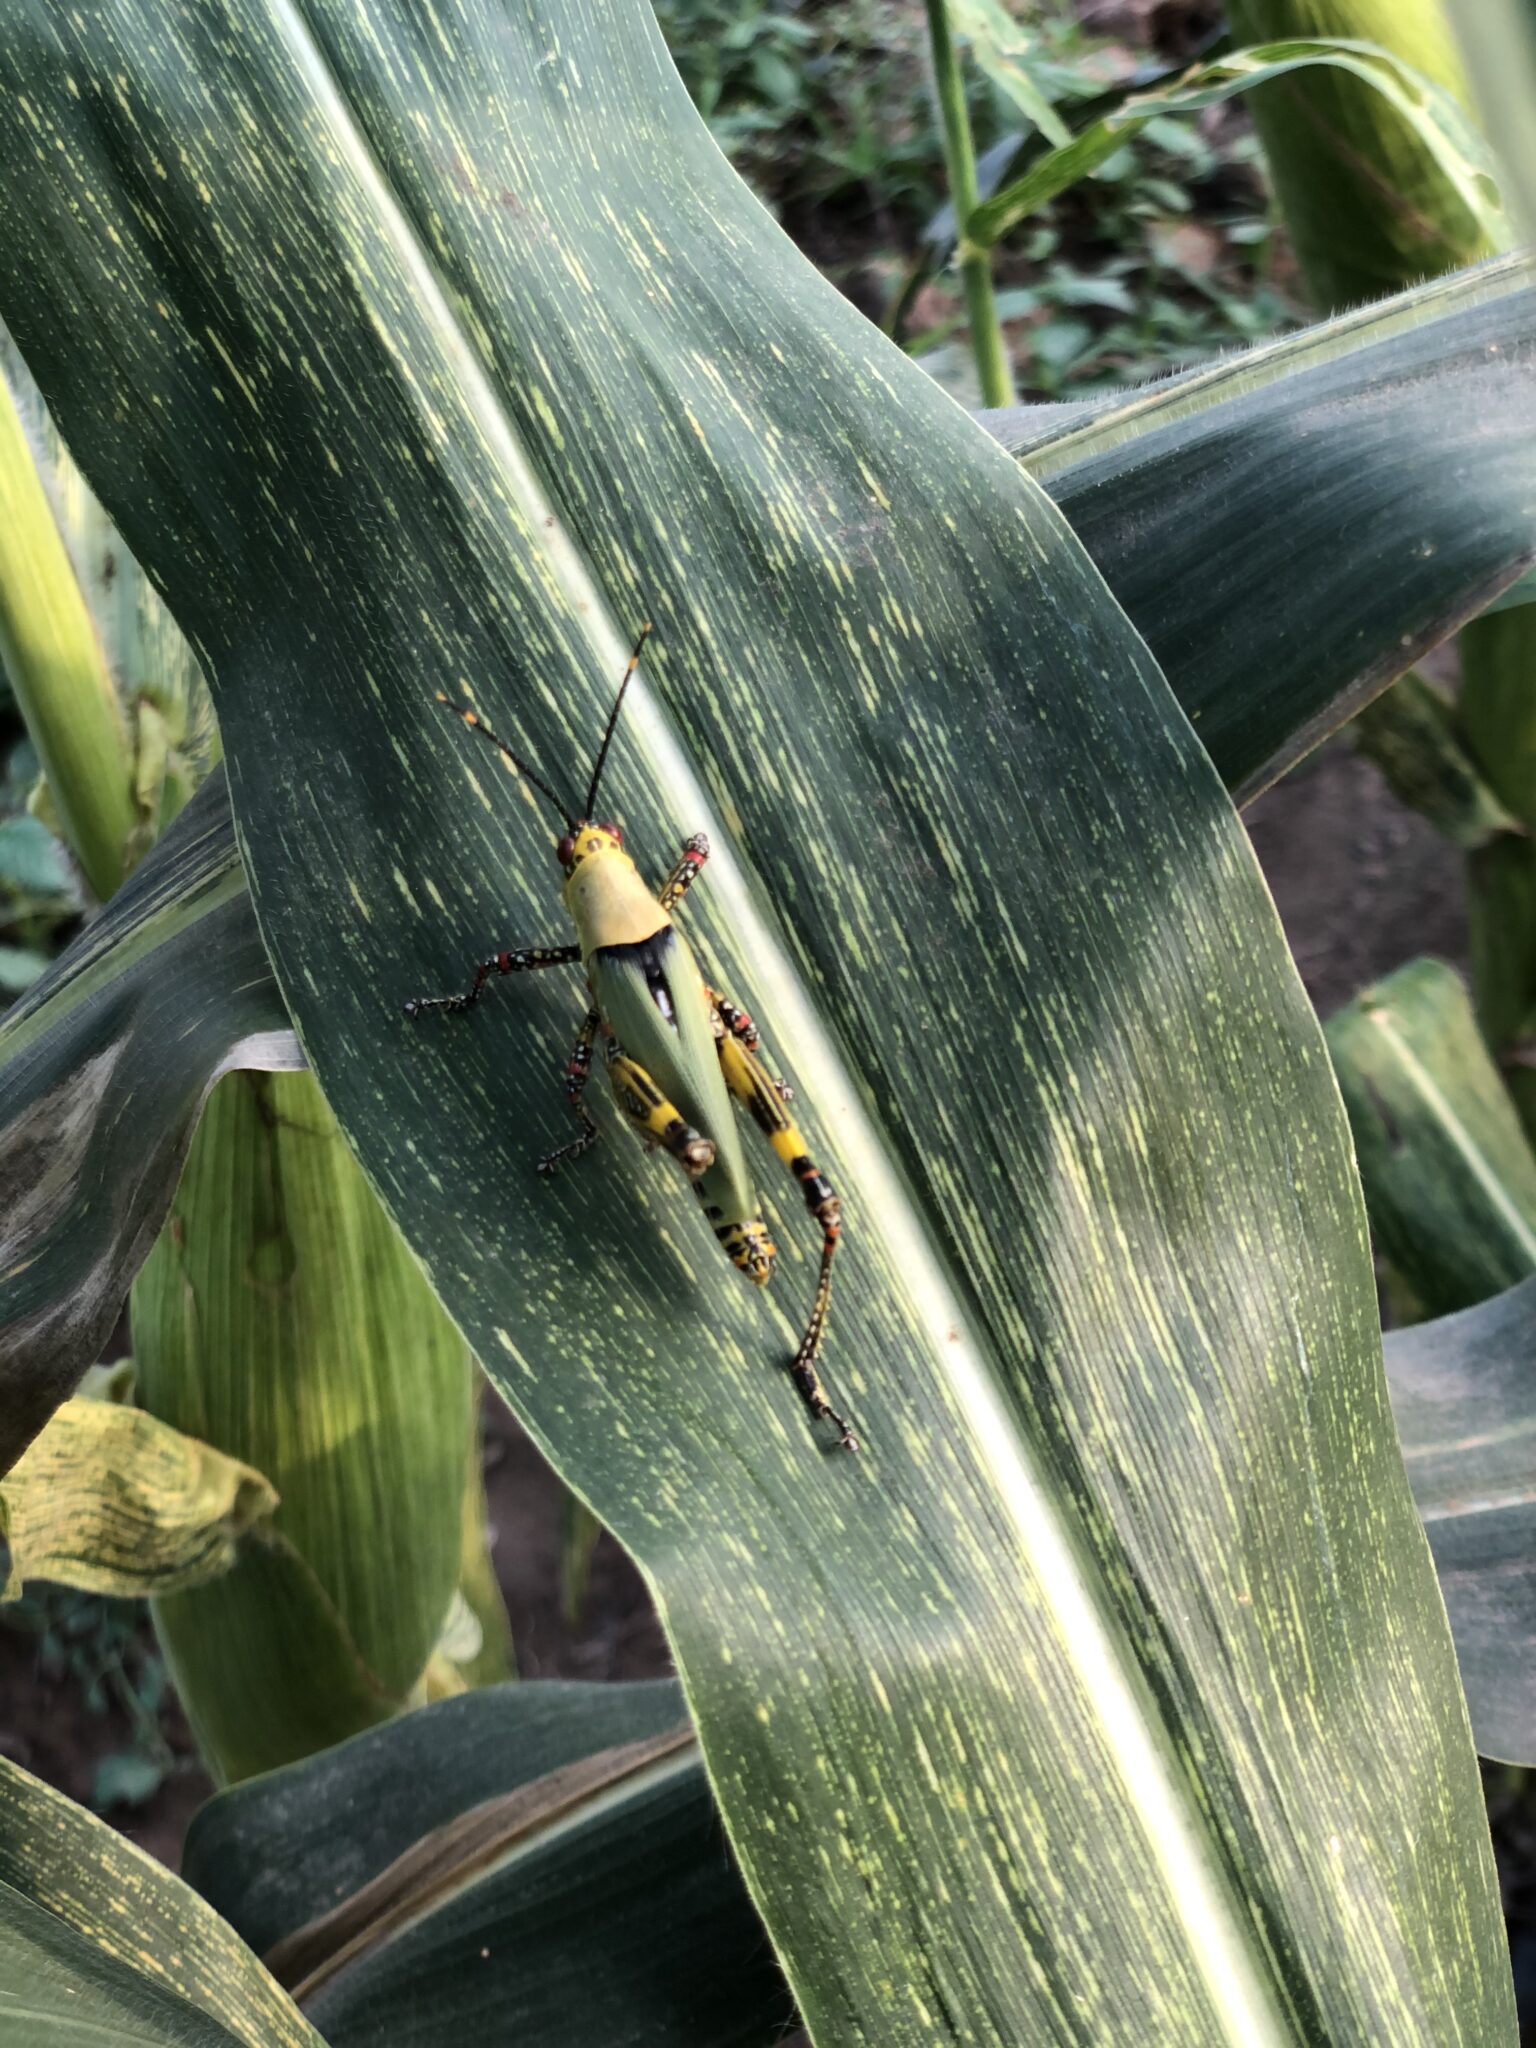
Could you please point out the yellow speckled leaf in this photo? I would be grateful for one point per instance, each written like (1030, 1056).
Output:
(111, 1500)
(1386, 457)
(1108, 1696)
(100, 1944)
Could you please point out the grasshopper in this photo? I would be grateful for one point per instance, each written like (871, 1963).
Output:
(675, 1050)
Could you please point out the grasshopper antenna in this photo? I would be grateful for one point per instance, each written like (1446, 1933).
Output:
(613, 716)
(477, 724)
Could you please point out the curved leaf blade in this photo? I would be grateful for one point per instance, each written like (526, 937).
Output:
(352, 1935)
(1294, 527)
(1464, 1395)
(104, 1068)
(99, 1942)
(1366, 206)
(273, 1854)
(623, 1924)
(1056, 1557)
(1448, 137)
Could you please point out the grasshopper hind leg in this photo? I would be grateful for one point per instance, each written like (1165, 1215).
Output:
(657, 1120)
(764, 1099)
(828, 1211)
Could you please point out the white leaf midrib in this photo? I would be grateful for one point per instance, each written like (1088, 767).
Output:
(1222, 1946)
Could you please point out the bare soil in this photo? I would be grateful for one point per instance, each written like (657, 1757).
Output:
(1362, 885)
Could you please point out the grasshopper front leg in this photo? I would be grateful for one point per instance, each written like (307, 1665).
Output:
(524, 961)
(684, 871)
(763, 1098)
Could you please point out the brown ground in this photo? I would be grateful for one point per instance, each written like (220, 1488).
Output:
(1361, 884)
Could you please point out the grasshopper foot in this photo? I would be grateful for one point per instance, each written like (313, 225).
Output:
(417, 1004)
(808, 1386)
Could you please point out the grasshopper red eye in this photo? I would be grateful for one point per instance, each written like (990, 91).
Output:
(565, 852)
(613, 833)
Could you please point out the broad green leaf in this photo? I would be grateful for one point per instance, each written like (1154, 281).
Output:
(1449, 1177)
(1258, 700)
(279, 1317)
(1293, 528)
(1433, 116)
(495, 1654)
(1365, 199)
(104, 1067)
(1002, 1716)
(1464, 1395)
(507, 1864)
(99, 1943)
(109, 1499)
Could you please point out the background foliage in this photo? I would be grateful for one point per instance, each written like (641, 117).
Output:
(761, 78)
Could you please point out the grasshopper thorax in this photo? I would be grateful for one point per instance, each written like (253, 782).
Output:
(584, 840)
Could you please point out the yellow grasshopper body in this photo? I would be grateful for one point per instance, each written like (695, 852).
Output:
(676, 1052)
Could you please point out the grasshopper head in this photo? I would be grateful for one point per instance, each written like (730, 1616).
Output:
(585, 839)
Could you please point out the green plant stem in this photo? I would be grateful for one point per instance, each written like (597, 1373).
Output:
(987, 344)
(58, 672)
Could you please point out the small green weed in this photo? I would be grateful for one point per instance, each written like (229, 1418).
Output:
(102, 1649)
(1163, 258)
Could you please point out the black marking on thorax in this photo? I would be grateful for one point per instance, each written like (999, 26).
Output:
(649, 957)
